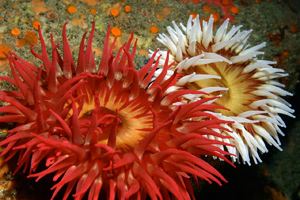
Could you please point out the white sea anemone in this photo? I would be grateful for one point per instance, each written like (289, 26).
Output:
(222, 64)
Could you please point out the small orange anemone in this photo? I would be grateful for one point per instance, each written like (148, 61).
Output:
(115, 11)
(71, 9)
(154, 29)
(15, 32)
(127, 8)
(4, 49)
(116, 31)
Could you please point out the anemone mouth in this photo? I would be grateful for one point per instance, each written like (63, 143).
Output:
(238, 86)
(128, 118)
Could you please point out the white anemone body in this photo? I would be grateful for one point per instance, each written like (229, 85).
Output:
(221, 63)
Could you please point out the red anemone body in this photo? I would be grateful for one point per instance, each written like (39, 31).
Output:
(109, 131)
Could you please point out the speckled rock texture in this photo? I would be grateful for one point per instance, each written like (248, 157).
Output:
(275, 21)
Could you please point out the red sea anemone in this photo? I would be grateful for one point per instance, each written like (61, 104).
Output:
(109, 131)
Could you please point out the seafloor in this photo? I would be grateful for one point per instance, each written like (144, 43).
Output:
(276, 22)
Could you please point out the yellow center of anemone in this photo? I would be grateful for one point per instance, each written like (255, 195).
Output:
(238, 97)
(130, 119)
